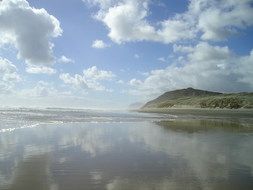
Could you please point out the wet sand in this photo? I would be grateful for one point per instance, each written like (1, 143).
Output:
(116, 153)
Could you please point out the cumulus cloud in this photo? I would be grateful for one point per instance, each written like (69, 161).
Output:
(182, 49)
(205, 67)
(29, 30)
(33, 69)
(220, 19)
(41, 89)
(90, 79)
(65, 60)
(127, 20)
(8, 75)
(99, 44)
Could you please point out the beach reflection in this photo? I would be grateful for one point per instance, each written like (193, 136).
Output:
(137, 155)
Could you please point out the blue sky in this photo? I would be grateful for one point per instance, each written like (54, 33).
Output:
(111, 53)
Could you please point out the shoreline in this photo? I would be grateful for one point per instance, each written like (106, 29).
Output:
(238, 113)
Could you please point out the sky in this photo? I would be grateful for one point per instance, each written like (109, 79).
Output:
(112, 53)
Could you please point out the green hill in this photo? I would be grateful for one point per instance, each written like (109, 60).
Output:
(194, 98)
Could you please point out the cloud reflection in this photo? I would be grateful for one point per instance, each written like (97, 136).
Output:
(126, 156)
(212, 156)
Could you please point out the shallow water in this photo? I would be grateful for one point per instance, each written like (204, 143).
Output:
(59, 149)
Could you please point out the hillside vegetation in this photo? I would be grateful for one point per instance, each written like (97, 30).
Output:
(194, 98)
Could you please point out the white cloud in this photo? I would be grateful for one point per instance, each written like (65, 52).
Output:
(246, 69)
(8, 76)
(89, 80)
(33, 69)
(29, 30)
(135, 82)
(65, 60)
(127, 20)
(102, 3)
(182, 49)
(41, 89)
(136, 56)
(161, 59)
(205, 52)
(96, 74)
(8, 71)
(120, 82)
(99, 44)
(219, 19)
(176, 29)
(206, 67)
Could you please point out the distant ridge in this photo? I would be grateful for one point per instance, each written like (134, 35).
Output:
(135, 105)
(196, 98)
